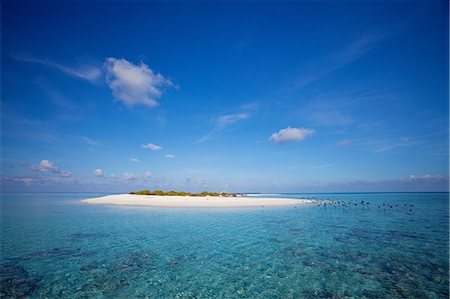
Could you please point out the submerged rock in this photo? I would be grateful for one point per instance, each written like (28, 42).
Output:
(82, 236)
(57, 252)
(15, 281)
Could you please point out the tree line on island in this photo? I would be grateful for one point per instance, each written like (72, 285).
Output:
(182, 193)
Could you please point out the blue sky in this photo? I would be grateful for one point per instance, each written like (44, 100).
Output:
(264, 97)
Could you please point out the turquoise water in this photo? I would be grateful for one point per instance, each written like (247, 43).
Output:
(56, 247)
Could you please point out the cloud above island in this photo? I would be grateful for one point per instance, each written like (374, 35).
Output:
(98, 172)
(48, 166)
(129, 176)
(131, 84)
(291, 134)
(135, 84)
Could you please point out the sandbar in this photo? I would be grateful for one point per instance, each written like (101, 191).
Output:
(193, 201)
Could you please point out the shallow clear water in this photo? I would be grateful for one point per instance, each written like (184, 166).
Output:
(54, 246)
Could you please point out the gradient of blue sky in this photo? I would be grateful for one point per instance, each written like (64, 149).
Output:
(361, 91)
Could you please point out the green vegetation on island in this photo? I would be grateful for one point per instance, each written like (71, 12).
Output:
(182, 193)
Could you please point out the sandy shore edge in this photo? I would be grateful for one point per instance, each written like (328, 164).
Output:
(191, 201)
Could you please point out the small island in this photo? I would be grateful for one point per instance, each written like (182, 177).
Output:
(182, 193)
(181, 199)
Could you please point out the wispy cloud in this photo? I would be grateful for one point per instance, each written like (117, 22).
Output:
(48, 166)
(201, 182)
(28, 181)
(346, 109)
(385, 145)
(204, 138)
(252, 106)
(291, 134)
(10, 115)
(350, 53)
(344, 142)
(86, 183)
(170, 156)
(426, 178)
(87, 72)
(152, 147)
(230, 120)
(327, 116)
(135, 160)
(135, 84)
(98, 172)
(222, 122)
(412, 183)
(322, 166)
(226, 120)
(56, 97)
(90, 141)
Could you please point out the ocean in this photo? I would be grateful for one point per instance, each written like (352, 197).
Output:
(380, 245)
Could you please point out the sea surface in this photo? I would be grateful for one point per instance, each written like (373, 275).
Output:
(53, 246)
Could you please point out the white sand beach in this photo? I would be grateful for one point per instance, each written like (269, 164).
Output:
(192, 201)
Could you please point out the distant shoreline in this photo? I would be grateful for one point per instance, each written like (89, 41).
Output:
(193, 201)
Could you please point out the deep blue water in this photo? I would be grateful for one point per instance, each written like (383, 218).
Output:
(56, 247)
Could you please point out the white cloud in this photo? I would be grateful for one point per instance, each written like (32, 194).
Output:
(170, 156)
(98, 172)
(148, 173)
(129, 176)
(291, 134)
(152, 147)
(87, 72)
(64, 173)
(134, 84)
(134, 160)
(43, 166)
(48, 166)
